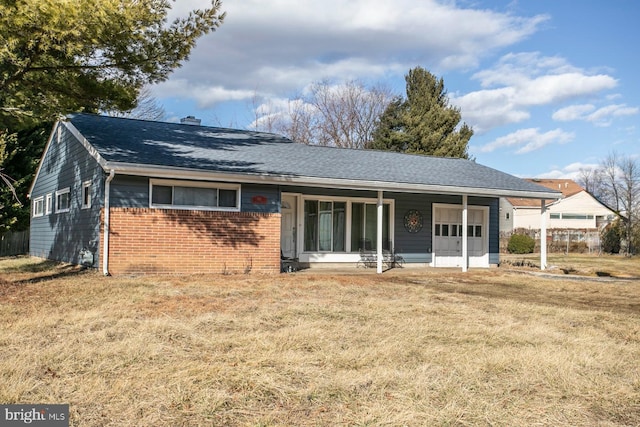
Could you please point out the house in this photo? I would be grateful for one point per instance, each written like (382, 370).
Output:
(576, 210)
(134, 196)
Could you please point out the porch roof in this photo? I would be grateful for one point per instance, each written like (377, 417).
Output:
(160, 149)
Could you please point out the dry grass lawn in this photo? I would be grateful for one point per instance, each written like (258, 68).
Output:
(409, 347)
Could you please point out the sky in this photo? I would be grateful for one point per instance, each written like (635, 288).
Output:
(549, 86)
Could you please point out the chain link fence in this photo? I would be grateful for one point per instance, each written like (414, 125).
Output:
(560, 240)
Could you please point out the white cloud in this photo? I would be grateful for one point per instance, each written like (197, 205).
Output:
(204, 95)
(281, 46)
(571, 171)
(527, 140)
(521, 81)
(600, 117)
(573, 112)
(604, 115)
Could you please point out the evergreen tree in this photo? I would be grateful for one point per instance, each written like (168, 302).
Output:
(19, 155)
(63, 56)
(424, 122)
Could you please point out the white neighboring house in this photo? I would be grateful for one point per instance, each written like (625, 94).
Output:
(577, 210)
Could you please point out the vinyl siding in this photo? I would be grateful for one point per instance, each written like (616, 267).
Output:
(61, 236)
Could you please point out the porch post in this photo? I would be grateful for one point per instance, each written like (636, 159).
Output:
(465, 246)
(543, 234)
(379, 234)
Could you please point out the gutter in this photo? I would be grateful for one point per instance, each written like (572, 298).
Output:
(106, 230)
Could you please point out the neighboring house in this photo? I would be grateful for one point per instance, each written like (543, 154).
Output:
(135, 196)
(577, 210)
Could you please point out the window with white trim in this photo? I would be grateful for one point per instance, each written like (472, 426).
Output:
(330, 224)
(86, 195)
(194, 195)
(63, 200)
(38, 206)
(48, 205)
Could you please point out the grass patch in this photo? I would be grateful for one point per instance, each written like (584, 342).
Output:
(410, 347)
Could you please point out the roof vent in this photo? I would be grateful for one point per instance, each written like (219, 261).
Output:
(190, 120)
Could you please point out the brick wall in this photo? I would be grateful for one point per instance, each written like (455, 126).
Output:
(179, 241)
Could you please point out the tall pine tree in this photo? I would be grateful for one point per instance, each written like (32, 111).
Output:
(424, 122)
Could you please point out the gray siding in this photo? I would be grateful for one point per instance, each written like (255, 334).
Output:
(61, 236)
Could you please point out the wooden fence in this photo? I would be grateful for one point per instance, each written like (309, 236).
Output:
(14, 243)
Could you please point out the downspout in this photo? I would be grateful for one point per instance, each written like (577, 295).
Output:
(106, 231)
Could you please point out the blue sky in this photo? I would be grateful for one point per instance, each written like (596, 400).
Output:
(548, 86)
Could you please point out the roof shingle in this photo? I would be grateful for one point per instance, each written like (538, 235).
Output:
(120, 141)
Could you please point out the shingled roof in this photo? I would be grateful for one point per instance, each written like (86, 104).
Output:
(567, 187)
(152, 148)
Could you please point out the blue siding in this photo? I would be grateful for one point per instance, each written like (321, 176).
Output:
(61, 236)
(133, 192)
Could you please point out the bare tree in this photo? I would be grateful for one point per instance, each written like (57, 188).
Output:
(343, 115)
(630, 196)
(591, 180)
(609, 175)
(618, 182)
(147, 108)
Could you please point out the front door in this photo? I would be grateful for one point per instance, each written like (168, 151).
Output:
(447, 236)
(288, 226)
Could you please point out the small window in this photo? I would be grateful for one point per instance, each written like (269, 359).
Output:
(445, 230)
(48, 206)
(162, 195)
(469, 230)
(506, 215)
(437, 229)
(454, 230)
(38, 206)
(554, 216)
(227, 198)
(478, 232)
(86, 195)
(63, 200)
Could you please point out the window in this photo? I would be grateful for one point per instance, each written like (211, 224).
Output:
(325, 223)
(576, 216)
(86, 195)
(506, 215)
(570, 216)
(200, 196)
(38, 205)
(48, 206)
(364, 226)
(63, 200)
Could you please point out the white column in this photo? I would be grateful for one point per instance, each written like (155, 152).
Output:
(465, 241)
(543, 235)
(379, 234)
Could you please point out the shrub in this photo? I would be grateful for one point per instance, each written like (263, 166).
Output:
(521, 244)
(611, 238)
